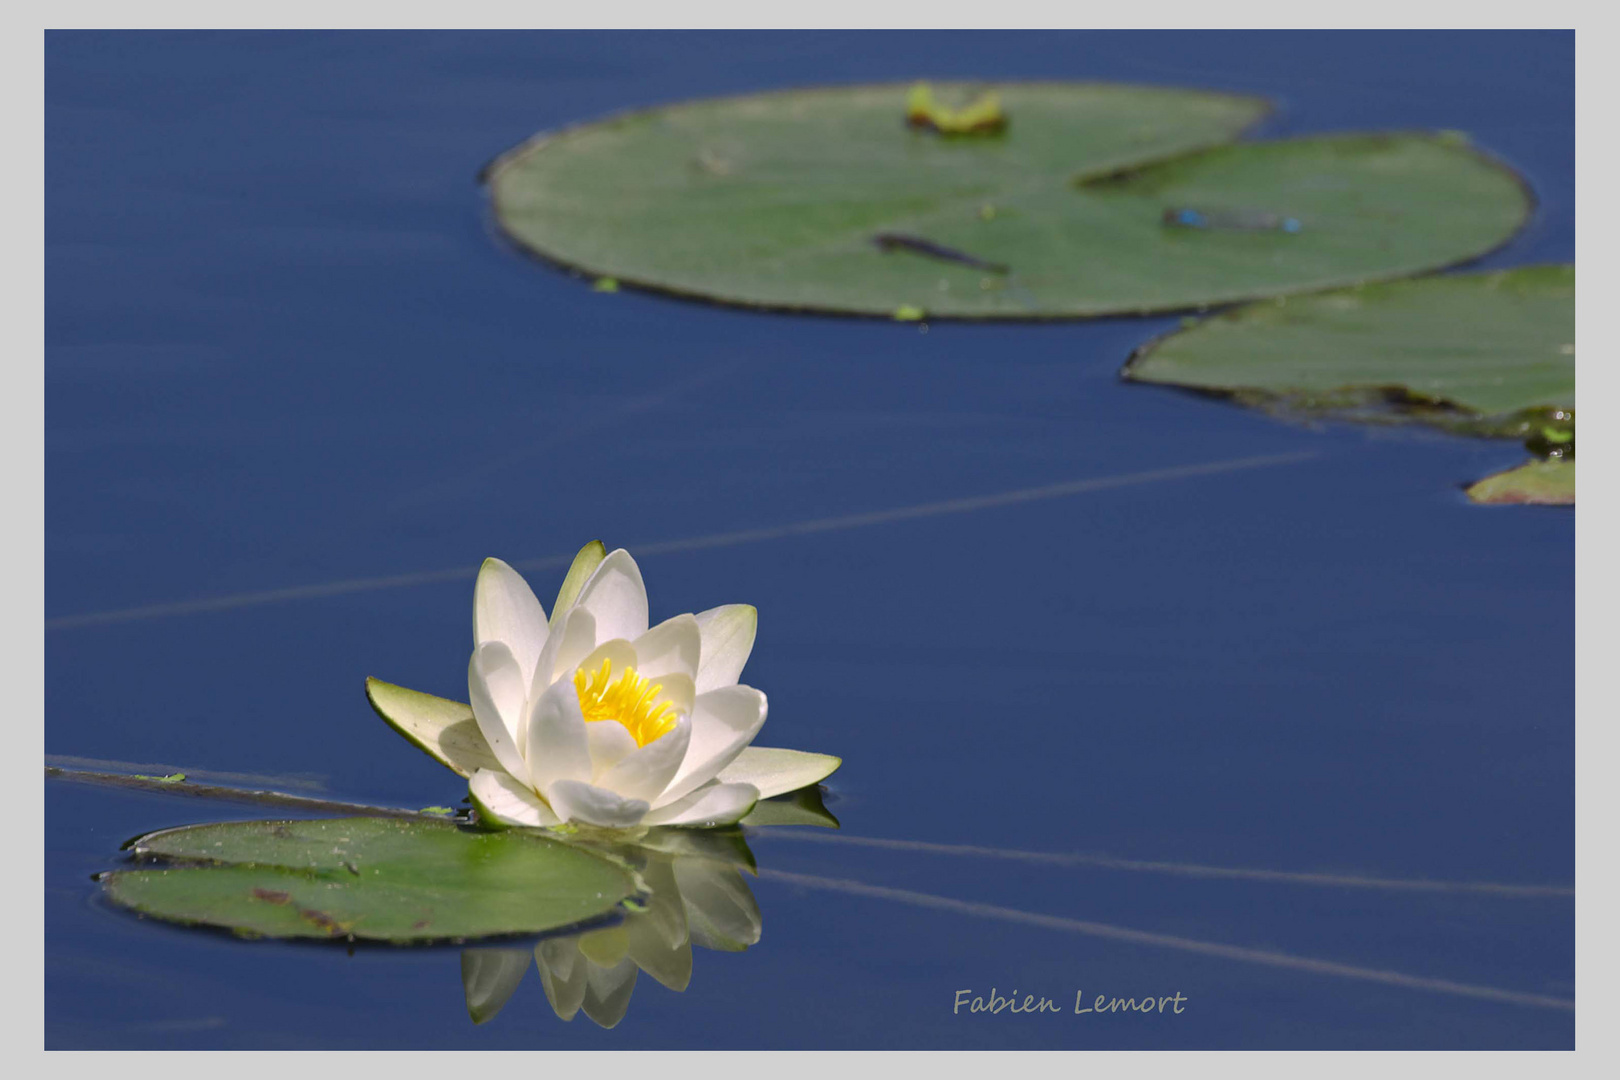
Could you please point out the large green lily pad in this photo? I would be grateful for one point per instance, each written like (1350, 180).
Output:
(1469, 346)
(780, 200)
(369, 878)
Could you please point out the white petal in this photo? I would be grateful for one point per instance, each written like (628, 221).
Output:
(617, 651)
(585, 563)
(503, 800)
(728, 638)
(558, 748)
(673, 645)
(571, 640)
(617, 598)
(445, 729)
(777, 772)
(721, 912)
(716, 804)
(676, 689)
(609, 744)
(728, 847)
(670, 964)
(607, 992)
(574, 800)
(505, 610)
(496, 688)
(647, 771)
(724, 722)
(664, 913)
(606, 947)
(489, 977)
(562, 974)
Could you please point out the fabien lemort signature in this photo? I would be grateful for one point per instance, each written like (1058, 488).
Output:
(969, 1002)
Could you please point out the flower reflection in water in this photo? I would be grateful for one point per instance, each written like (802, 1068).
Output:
(696, 896)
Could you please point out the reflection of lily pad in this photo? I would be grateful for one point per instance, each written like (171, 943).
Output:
(369, 878)
(1453, 349)
(1541, 483)
(824, 200)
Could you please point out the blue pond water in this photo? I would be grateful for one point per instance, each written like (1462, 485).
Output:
(285, 350)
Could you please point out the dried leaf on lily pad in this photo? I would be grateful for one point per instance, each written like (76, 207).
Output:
(778, 200)
(378, 879)
(1536, 483)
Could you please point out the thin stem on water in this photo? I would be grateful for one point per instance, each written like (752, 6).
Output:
(230, 794)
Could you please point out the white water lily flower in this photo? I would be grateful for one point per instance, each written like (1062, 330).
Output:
(594, 717)
(680, 754)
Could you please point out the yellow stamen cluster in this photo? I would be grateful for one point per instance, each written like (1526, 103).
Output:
(630, 700)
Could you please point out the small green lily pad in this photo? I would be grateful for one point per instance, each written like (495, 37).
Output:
(825, 200)
(379, 879)
(1457, 349)
(1538, 483)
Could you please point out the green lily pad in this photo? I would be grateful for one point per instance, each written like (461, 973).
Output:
(1540, 483)
(824, 200)
(1487, 353)
(380, 879)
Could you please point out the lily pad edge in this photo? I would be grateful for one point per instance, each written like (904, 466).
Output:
(1269, 109)
(1458, 140)
(147, 862)
(1450, 416)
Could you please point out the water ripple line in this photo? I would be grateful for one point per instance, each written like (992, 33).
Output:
(1265, 957)
(1197, 870)
(232, 601)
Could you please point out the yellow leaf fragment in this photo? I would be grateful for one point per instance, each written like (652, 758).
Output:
(981, 116)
